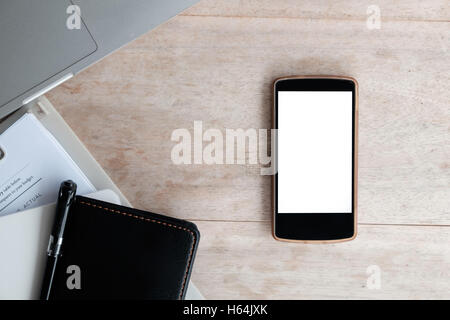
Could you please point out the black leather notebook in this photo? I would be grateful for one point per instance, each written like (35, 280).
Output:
(123, 253)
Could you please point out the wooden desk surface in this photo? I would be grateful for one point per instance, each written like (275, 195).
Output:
(215, 63)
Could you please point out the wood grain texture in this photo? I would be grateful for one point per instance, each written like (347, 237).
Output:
(241, 261)
(126, 107)
(216, 63)
(430, 10)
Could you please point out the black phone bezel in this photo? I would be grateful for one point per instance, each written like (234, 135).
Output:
(317, 226)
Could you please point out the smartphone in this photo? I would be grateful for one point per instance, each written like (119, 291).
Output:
(315, 184)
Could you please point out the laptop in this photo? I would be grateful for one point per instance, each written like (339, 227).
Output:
(46, 42)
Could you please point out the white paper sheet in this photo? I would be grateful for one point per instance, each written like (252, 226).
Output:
(33, 167)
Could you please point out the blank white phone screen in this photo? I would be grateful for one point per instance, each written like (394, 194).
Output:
(315, 151)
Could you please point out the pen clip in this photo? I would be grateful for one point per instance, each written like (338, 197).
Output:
(66, 197)
(54, 249)
(50, 245)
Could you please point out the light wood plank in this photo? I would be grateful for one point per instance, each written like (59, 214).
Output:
(436, 10)
(220, 70)
(239, 260)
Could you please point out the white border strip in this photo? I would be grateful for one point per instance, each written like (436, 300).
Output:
(48, 88)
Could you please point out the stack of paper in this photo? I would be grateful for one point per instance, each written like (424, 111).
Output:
(33, 166)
